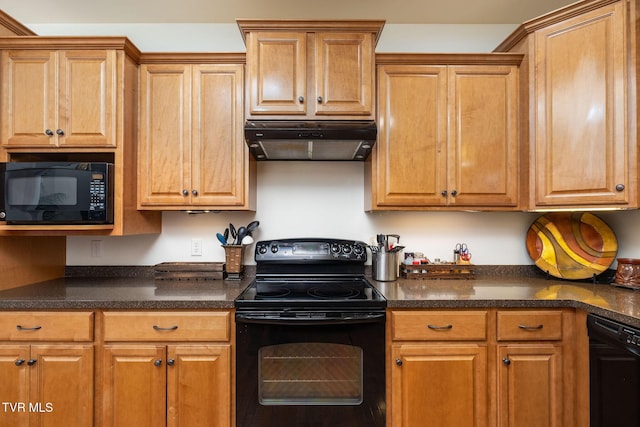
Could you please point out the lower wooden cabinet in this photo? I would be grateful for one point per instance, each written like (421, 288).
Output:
(170, 368)
(443, 383)
(46, 371)
(505, 368)
(530, 385)
(173, 385)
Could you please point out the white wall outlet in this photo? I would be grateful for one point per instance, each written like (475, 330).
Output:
(196, 247)
(96, 248)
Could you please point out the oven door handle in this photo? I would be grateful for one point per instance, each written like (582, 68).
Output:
(307, 321)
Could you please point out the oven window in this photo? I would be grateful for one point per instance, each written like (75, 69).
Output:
(310, 374)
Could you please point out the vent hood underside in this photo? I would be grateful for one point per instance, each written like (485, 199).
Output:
(310, 140)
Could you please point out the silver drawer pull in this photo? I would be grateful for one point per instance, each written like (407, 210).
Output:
(170, 328)
(440, 328)
(24, 328)
(531, 328)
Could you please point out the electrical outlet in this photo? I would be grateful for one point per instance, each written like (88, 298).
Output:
(196, 247)
(96, 248)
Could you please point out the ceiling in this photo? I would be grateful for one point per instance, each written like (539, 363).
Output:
(227, 11)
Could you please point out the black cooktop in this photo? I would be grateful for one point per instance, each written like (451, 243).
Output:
(310, 273)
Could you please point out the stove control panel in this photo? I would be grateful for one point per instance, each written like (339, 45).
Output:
(287, 250)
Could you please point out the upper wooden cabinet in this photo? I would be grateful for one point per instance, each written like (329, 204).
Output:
(443, 119)
(59, 98)
(310, 69)
(74, 99)
(579, 105)
(192, 149)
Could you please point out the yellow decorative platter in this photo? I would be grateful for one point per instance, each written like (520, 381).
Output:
(571, 245)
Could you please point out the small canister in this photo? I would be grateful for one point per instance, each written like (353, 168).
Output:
(628, 272)
(384, 266)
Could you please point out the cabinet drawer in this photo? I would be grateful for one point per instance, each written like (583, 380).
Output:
(46, 326)
(439, 325)
(166, 326)
(529, 325)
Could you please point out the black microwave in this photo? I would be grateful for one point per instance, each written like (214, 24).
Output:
(56, 193)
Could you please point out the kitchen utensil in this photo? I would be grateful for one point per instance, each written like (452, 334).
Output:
(388, 244)
(241, 232)
(233, 232)
(382, 242)
(226, 234)
(247, 240)
(396, 249)
(221, 239)
(252, 226)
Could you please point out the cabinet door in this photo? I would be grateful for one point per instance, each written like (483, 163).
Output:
(277, 73)
(62, 385)
(14, 385)
(165, 135)
(87, 98)
(219, 158)
(581, 147)
(530, 385)
(29, 96)
(134, 388)
(442, 385)
(483, 135)
(199, 385)
(409, 159)
(344, 74)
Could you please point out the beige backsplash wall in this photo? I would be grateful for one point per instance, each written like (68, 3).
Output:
(300, 199)
(321, 199)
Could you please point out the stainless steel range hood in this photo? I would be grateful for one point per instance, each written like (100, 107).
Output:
(310, 140)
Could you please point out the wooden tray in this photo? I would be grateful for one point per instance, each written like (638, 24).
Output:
(189, 271)
(438, 271)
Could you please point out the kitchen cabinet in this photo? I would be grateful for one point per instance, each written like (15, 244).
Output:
(74, 99)
(438, 369)
(310, 69)
(59, 98)
(167, 368)
(440, 126)
(484, 368)
(192, 153)
(46, 366)
(530, 374)
(579, 99)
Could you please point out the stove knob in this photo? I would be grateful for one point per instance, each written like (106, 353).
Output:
(274, 249)
(358, 249)
(335, 248)
(262, 250)
(346, 249)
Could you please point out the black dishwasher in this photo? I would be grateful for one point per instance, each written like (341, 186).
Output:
(614, 369)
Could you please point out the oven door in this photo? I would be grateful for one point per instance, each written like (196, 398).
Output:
(310, 372)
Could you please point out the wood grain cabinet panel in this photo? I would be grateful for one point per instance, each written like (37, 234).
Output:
(54, 382)
(167, 368)
(582, 153)
(495, 367)
(192, 152)
(440, 127)
(310, 69)
(61, 98)
(440, 385)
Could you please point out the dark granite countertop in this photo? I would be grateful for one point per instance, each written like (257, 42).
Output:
(501, 291)
(123, 293)
(514, 292)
